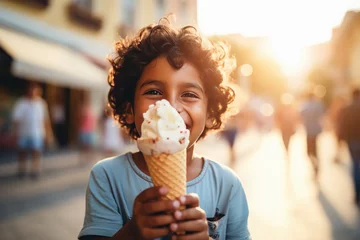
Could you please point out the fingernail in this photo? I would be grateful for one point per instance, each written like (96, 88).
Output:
(163, 190)
(177, 214)
(176, 204)
(173, 227)
(182, 199)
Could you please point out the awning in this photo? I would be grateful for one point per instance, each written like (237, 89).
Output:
(43, 61)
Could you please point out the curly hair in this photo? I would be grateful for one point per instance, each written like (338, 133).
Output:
(132, 54)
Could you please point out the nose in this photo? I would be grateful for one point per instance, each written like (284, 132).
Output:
(179, 107)
(176, 104)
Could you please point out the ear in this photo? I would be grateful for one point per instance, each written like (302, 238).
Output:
(209, 122)
(130, 118)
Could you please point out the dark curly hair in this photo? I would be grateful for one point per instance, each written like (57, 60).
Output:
(132, 54)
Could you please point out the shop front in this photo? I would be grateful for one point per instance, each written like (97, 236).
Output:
(65, 76)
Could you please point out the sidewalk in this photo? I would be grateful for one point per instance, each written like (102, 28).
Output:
(52, 161)
(51, 207)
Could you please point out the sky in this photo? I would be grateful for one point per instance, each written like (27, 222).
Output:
(310, 20)
(290, 25)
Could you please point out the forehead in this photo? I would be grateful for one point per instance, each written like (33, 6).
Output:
(159, 69)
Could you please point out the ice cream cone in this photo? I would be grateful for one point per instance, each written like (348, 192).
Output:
(169, 170)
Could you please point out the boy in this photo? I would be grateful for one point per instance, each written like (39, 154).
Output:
(161, 62)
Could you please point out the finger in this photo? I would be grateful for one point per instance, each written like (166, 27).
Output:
(152, 193)
(198, 225)
(152, 233)
(190, 214)
(158, 221)
(150, 208)
(192, 236)
(190, 200)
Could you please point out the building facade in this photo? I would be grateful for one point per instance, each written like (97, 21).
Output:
(345, 57)
(63, 44)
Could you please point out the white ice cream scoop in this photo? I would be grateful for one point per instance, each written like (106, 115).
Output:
(163, 130)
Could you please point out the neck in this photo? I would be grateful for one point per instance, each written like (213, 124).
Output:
(189, 155)
(194, 164)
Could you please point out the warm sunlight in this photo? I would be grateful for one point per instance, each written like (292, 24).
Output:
(291, 25)
(289, 53)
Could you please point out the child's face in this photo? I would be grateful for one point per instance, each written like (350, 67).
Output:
(182, 87)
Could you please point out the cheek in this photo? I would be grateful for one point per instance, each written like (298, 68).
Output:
(198, 116)
(139, 109)
(138, 117)
(199, 111)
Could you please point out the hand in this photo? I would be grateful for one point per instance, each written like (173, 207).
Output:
(191, 220)
(151, 215)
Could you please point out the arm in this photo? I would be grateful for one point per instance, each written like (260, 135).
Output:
(103, 219)
(16, 116)
(102, 216)
(126, 232)
(237, 226)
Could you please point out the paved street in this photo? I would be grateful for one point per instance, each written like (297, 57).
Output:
(284, 200)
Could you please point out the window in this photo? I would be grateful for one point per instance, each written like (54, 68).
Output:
(41, 4)
(81, 12)
(84, 4)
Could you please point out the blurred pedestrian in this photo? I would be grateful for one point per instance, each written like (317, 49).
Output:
(286, 118)
(113, 141)
(333, 114)
(59, 120)
(312, 113)
(87, 131)
(350, 132)
(229, 134)
(31, 125)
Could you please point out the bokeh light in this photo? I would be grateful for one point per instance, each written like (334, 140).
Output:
(246, 70)
(266, 109)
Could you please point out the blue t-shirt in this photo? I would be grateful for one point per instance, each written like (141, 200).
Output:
(115, 182)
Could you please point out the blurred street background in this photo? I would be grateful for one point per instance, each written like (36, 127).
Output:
(298, 63)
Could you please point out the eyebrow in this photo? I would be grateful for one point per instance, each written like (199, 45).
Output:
(160, 83)
(150, 82)
(193, 85)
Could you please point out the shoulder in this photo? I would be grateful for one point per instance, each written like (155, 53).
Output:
(348, 108)
(41, 102)
(20, 102)
(112, 166)
(224, 174)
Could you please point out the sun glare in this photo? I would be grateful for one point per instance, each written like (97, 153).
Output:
(291, 25)
(289, 53)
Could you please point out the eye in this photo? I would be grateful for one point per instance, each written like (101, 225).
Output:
(152, 92)
(190, 95)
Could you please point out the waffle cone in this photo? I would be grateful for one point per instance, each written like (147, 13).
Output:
(169, 171)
